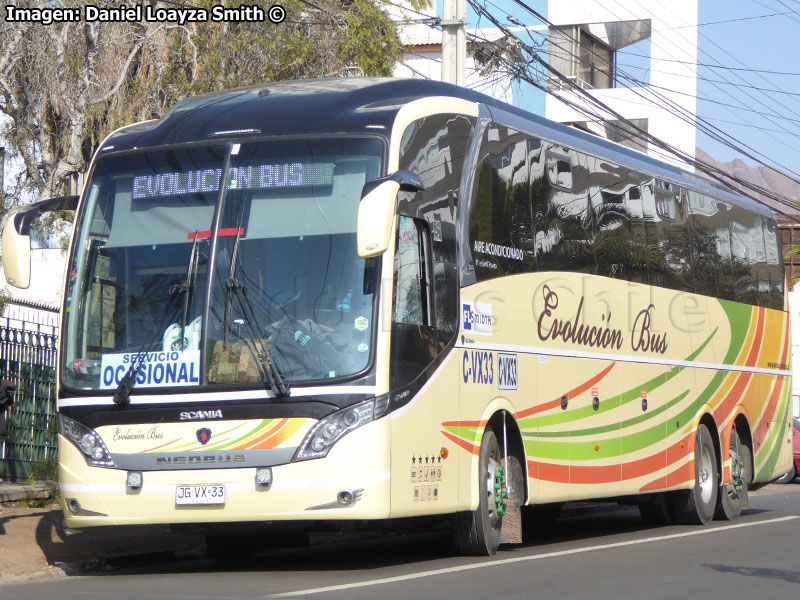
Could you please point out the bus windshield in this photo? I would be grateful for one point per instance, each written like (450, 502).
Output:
(284, 283)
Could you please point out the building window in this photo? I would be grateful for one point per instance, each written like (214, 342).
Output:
(631, 133)
(583, 58)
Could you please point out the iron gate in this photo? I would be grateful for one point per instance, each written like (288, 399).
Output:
(28, 342)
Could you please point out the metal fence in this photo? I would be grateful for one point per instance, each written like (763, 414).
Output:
(28, 342)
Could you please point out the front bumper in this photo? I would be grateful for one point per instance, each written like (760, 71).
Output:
(302, 491)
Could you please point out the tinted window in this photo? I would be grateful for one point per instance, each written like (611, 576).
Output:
(710, 246)
(501, 221)
(749, 258)
(563, 217)
(667, 235)
(435, 147)
(411, 297)
(774, 264)
(617, 213)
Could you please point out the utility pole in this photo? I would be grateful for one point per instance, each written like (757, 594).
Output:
(454, 42)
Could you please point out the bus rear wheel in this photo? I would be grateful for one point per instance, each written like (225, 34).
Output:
(733, 495)
(477, 532)
(697, 505)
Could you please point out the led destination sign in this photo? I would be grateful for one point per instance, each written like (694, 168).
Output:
(279, 175)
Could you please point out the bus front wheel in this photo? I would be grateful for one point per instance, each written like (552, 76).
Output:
(697, 505)
(477, 532)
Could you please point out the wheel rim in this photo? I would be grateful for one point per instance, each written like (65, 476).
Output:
(737, 474)
(491, 475)
(495, 491)
(704, 476)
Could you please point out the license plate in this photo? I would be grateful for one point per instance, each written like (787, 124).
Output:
(200, 494)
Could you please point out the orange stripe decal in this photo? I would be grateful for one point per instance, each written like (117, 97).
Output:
(571, 394)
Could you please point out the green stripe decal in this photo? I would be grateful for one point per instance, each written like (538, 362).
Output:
(739, 316)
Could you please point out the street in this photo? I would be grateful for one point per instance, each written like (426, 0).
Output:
(609, 554)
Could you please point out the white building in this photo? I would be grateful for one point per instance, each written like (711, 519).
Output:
(639, 59)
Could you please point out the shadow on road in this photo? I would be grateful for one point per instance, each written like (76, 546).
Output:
(790, 576)
(375, 551)
(152, 550)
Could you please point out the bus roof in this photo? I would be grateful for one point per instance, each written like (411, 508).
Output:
(356, 106)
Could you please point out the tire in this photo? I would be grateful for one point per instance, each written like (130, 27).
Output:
(697, 505)
(733, 496)
(477, 532)
(788, 478)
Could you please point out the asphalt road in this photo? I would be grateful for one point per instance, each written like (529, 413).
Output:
(599, 556)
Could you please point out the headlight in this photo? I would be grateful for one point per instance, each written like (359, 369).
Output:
(88, 442)
(332, 428)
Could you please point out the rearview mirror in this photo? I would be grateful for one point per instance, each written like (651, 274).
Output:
(17, 237)
(377, 208)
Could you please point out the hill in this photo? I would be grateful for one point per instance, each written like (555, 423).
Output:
(761, 176)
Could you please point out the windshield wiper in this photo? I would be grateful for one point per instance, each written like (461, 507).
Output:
(122, 394)
(257, 345)
(187, 289)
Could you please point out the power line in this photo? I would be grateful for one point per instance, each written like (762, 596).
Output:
(782, 14)
(716, 174)
(766, 115)
(519, 72)
(725, 82)
(704, 127)
(710, 66)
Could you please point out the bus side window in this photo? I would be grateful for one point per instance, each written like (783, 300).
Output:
(749, 257)
(501, 219)
(668, 240)
(774, 264)
(710, 246)
(434, 148)
(412, 297)
(564, 221)
(619, 231)
(414, 340)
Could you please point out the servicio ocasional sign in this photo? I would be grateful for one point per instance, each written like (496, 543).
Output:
(158, 369)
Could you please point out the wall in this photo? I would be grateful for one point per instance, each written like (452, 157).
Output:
(673, 38)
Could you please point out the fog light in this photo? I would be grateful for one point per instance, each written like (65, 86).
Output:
(264, 476)
(345, 497)
(73, 505)
(135, 479)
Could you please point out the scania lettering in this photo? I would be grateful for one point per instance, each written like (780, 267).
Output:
(199, 415)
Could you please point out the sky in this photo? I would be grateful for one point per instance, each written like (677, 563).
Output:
(767, 122)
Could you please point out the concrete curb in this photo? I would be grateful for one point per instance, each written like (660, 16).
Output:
(12, 492)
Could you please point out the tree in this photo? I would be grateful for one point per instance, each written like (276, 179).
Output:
(65, 86)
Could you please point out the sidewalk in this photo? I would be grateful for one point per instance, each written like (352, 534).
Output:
(11, 492)
(35, 544)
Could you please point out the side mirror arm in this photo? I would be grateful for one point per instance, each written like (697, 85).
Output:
(26, 215)
(408, 182)
(16, 237)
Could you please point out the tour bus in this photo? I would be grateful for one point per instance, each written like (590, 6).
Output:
(345, 302)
